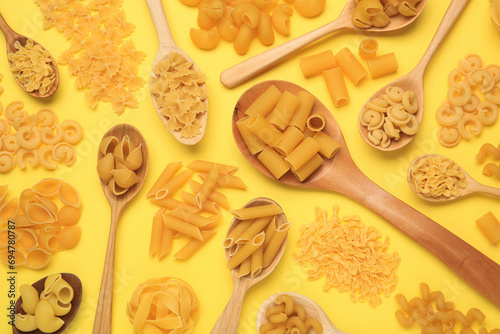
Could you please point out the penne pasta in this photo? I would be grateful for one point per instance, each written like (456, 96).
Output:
(270, 230)
(317, 63)
(256, 262)
(244, 252)
(382, 65)
(351, 66)
(190, 200)
(256, 227)
(257, 211)
(245, 267)
(191, 218)
(156, 233)
(174, 184)
(181, 226)
(215, 196)
(207, 186)
(193, 245)
(231, 237)
(336, 87)
(227, 181)
(275, 244)
(202, 166)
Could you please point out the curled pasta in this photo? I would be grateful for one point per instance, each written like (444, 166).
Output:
(64, 151)
(471, 105)
(372, 119)
(491, 169)
(449, 115)
(410, 102)
(47, 118)
(469, 63)
(26, 157)
(7, 161)
(482, 77)
(459, 94)
(45, 157)
(494, 70)
(488, 149)
(73, 131)
(469, 125)
(398, 115)
(487, 112)
(28, 137)
(204, 39)
(281, 18)
(49, 137)
(394, 95)
(14, 110)
(449, 136)
(10, 143)
(411, 128)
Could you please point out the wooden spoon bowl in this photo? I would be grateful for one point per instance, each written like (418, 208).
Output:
(472, 185)
(10, 38)
(256, 64)
(102, 323)
(312, 310)
(166, 46)
(229, 319)
(340, 174)
(75, 283)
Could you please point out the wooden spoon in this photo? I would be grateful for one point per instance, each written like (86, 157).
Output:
(166, 46)
(248, 68)
(102, 322)
(229, 319)
(340, 174)
(414, 81)
(75, 283)
(10, 38)
(312, 310)
(472, 185)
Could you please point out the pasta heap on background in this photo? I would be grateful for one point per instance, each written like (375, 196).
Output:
(433, 314)
(180, 93)
(36, 139)
(473, 100)
(197, 214)
(43, 311)
(290, 316)
(45, 218)
(32, 66)
(240, 22)
(349, 255)
(163, 305)
(104, 62)
(490, 168)
(378, 13)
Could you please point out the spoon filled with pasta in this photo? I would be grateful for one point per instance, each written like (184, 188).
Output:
(391, 117)
(177, 86)
(364, 16)
(33, 67)
(301, 312)
(255, 243)
(436, 178)
(122, 166)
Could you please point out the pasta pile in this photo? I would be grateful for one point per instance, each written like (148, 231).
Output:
(163, 305)
(37, 139)
(495, 13)
(32, 66)
(434, 314)
(121, 159)
(255, 239)
(298, 147)
(240, 22)
(490, 226)
(349, 255)
(436, 176)
(465, 113)
(104, 62)
(45, 218)
(180, 93)
(386, 117)
(187, 217)
(43, 311)
(286, 316)
(378, 13)
(490, 168)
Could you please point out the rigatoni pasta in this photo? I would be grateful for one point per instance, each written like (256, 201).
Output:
(317, 63)
(350, 66)
(382, 65)
(490, 226)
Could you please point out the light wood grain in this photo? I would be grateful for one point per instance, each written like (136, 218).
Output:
(340, 174)
(473, 187)
(414, 81)
(230, 317)
(10, 38)
(312, 310)
(243, 71)
(166, 46)
(102, 322)
(75, 283)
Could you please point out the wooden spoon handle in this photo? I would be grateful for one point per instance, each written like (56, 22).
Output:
(229, 319)
(102, 322)
(258, 63)
(481, 188)
(9, 34)
(160, 21)
(474, 267)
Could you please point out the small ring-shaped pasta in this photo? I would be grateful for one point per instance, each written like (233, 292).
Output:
(44, 157)
(411, 127)
(26, 157)
(64, 151)
(469, 125)
(398, 115)
(487, 112)
(7, 162)
(48, 137)
(410, 102)
(449, 115)
(14, 110)
(471, 106)
(10, 143)
(73, 131)
(47, 118)
(469, 63)
(29, 137)
(459, 94)
(448, 136)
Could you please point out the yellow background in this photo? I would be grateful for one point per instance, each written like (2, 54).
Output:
(473, 33)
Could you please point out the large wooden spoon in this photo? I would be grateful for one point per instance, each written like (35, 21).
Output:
(414, 81)
(102, 322)
(248, 68)
(166, 46)
(75, 283)
(472, 185)
(312, 310)
(340, 174)
(229, 319)
(10, 38)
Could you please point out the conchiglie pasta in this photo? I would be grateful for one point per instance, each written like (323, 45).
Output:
(104, 167)
(69, 237)
(205, 39)
(124, 178)
(69, 215)
(38, 258)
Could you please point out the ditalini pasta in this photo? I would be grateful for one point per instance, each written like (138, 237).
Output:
(490, 226)
(368, 48)
(293, 315)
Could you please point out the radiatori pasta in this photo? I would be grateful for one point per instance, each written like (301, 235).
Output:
(46, 217)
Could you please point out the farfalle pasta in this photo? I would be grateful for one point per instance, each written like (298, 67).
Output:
(45, 217)
(377, 13)
(163, 305)
(180, 93)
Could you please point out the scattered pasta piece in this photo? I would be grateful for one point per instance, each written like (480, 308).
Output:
(433, 314)
(180, 93)
(163, 305)
(41, 218)
(490, 226)
(295, 317)
(377, 13)
(491, 169)
(488, 149)
(368, 48)
(437, 176)
(349, 255)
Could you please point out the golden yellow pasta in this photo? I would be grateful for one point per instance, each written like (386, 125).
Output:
(302, 153)
(368, 48)
(489, 225)
(265, 103)
(382, 65)
(265, 32)
(316, 122)
(285, 109)
(291, 138)
(300, 117)
(262, 128)
(243, 39)
(327, 145)
(317, 63)
(337, 89)
(273, 161)
(254, 143)
(351, 67)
